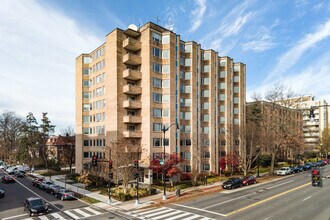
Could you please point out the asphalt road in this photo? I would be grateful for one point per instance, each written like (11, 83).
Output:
(291, 197)
(11, 206)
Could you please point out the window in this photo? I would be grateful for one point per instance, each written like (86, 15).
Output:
(188, 142)
(187, 48)
(156, 52)
(222, 120)
(185, 155)
(206, 130)
(166, 142)
(166, 54)
(223, 63)
(185, 89)
(157, 82)
(206, 142)
(205, 154)
(205, 105)
(86, 119)
(206, 68)
(236, 121)
(237, 68)
(86, 71)
(87, 107)
(157, 127)
(187, 75)
(185, 128)
(157, 142)
(185, 115)
(157, 112)
(182, 47)
(223, 142)
(157, 97)
(156, 37)
(206, 93)
(222, 131)
(87, 83)
(87, 95)
(165, 83)
(165, 39)
(187, 62)
(222, 108)
(206, 56)
(236, 89)
(157, 67)
(182, 61)
(222, 74)
(187, 168)
(205, 81)
(86, 60)
(236, 100)
(236, 110)
(87, 131)
(185, 102)
(86, 143)
(222, 97)
(206, 166)
(236, 78)
(165, 98)
(86, 154)
(166, 112)
(206, 117)
(166, 69)
(222, 85)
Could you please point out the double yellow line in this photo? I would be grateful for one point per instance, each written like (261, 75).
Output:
(265, 200)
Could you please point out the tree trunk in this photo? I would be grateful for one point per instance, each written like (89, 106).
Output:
(271, 172)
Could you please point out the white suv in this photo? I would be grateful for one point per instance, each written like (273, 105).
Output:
(284, 171)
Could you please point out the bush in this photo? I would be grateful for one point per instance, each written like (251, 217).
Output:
(152, 191)
(73, 177)
(186, 176)
(265, 160)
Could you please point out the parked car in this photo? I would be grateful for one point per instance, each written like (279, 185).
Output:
(19, 174)
(298, 169)
(51, 188)
(314, 164)
(36, 182)
(3, 166)
(284, 171)
(44, 184)
(65, 194)
(2, 193)
(320, 163)
(326, 162)
(57, 189)
(248, 180)
(8, 179)
(35, 206)
(308, 166)
(232, 183)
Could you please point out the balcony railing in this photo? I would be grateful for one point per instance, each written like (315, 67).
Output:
(132, 59)
(131, 44)
(132, 89)
(131, 74)
(132, 134)
(130, 104)
(132, 119)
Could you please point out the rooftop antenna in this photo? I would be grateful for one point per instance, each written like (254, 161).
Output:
(157, 20)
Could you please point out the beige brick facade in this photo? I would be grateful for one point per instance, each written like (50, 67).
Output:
(140, 80)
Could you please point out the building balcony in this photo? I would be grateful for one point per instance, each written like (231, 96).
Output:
(132, 59)
(132, 119)
(130, 104)
(132, 89)
(131, 44)
(131, 74)
(132, 134)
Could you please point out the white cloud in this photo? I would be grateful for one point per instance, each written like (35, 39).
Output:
(197, 15)
(170, 15)
(264, 43)
(38, 48)
(291, 57)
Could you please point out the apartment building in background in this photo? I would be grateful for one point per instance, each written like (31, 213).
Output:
(143, 78)
(313, 127)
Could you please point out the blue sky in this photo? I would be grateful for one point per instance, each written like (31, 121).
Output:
(286, 41)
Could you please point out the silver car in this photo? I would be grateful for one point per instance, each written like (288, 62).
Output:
(284, 171)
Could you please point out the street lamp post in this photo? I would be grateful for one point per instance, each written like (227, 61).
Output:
(164, 171)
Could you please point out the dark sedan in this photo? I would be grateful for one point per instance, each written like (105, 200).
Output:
(232, 183)
(248, 180)
(35, 206)
(19, 174)
(8, 179)
(51, 188)
(65, 194)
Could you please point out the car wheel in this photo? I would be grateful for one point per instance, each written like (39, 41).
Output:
(247, 184)
(254, 182)
(62, 198)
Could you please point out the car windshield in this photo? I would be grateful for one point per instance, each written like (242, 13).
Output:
(37, 202)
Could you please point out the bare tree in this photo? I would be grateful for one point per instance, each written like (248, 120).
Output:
(68, 154)
(196, 161)
(123, 153)
(326, 140)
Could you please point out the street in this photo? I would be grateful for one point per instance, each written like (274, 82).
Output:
(11, 206)
(291, 197)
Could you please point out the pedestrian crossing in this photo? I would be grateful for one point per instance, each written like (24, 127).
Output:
(78, 213)
(166, 213)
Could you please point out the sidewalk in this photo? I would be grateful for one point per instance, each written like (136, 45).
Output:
(128, 205)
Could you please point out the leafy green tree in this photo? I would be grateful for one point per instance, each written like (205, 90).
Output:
(45, 129)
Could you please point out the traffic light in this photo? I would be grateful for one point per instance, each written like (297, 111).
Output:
(136, 164)
(94, 160)
(110, 164)
(111, 175)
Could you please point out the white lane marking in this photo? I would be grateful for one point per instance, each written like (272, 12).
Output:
(179, 216)
(149, 211)
(28, 219)
(16, 216)
(165, 215)
(157, 213)
(203, 210)
(69, 213)
(268, 218)
(42, 217)
(271, 187)
(93, 211)
(57, 216)
(82, 213)
(307, 198)
(207, 207)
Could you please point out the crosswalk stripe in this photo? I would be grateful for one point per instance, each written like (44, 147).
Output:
(178, 216)
(57, 216)
(157, 213)
(92, 211)
(150, 210)
(71, 214)
(192, 217)
(205, 218)
(43, 217)
(82, 213)
(165, 215)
